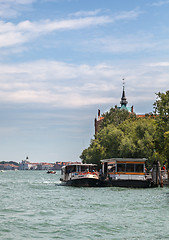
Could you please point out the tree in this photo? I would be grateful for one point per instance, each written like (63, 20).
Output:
(128, 139)
(105, 145)
(161, 110)
(139, 138)
(93, 154)
(166, 145)
(161, 105)
(116, 116)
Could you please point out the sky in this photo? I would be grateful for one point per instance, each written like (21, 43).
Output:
(62, 60)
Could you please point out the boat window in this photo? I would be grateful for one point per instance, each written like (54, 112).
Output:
(70, 169)
(105, 167)
(139, 168)
(91, 168)
(111, 168)
(78, 169)
(73, 169)
(84, 168)
(120, 167)
(130, 167)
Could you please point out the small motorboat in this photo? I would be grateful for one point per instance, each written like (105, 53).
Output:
(51, 172)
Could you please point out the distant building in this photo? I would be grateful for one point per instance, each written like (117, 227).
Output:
(59, 165)
(25, 165)
(45, 166)
(1, 166)
(10, 167)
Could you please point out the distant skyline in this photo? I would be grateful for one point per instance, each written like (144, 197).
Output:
(62, 60)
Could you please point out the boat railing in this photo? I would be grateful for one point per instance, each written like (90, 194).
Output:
(148, 175)
(164, 174)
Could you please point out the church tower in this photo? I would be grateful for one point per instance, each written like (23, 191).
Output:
(123, 101)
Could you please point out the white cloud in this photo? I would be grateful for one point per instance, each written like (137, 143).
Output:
(50, 26)
(7, 131)
(64, 85)
(11, 39)
(86, 13)
(159, 64)
(55, 83)
(26, 30)
(22, 2)
(160, 3)
(12, 8)
(127, 15)
(129, 44)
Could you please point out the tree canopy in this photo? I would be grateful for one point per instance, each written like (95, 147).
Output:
(122, 134)
(161, 110)
(131, 138)
(116, 116)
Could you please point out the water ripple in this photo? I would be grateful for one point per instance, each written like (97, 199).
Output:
(35, 206)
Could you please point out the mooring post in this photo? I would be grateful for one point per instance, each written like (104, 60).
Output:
(160, 175)
(155, 174)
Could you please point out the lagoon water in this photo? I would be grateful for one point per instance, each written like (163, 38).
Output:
(33, 205)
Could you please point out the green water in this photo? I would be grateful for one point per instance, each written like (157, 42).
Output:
(33, 205)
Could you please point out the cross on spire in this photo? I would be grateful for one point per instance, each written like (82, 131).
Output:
(123, 82)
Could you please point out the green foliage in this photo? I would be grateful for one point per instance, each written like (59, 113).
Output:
(166, 144)
(161, 106)
(122, 134)
(116, 116)
(161, 109)
(131, 138)
(139, 139)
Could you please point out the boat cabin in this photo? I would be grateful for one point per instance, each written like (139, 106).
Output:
(72, 171)
(124, 168)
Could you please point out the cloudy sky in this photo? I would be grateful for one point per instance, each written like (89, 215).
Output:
(61, 60)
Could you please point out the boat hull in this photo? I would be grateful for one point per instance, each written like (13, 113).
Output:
(84, 182)
(130, 183)
(89, 182)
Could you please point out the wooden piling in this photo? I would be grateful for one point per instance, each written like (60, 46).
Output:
(160, 175)
(156, 175)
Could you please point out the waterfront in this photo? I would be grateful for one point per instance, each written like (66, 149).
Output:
(35, 206)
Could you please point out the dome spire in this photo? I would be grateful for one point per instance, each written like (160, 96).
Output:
(123, 101)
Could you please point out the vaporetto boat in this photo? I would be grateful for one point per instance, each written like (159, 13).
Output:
(125, 172)
(116, 172)
(80, 175)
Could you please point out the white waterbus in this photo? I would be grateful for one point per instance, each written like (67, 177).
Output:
(80, 175)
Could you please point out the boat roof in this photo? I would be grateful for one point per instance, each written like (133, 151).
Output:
(123, 160)
(80, 164)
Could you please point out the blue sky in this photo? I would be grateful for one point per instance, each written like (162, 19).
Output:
(61, 60)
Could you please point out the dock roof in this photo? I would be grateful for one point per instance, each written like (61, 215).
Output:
(124, 160)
